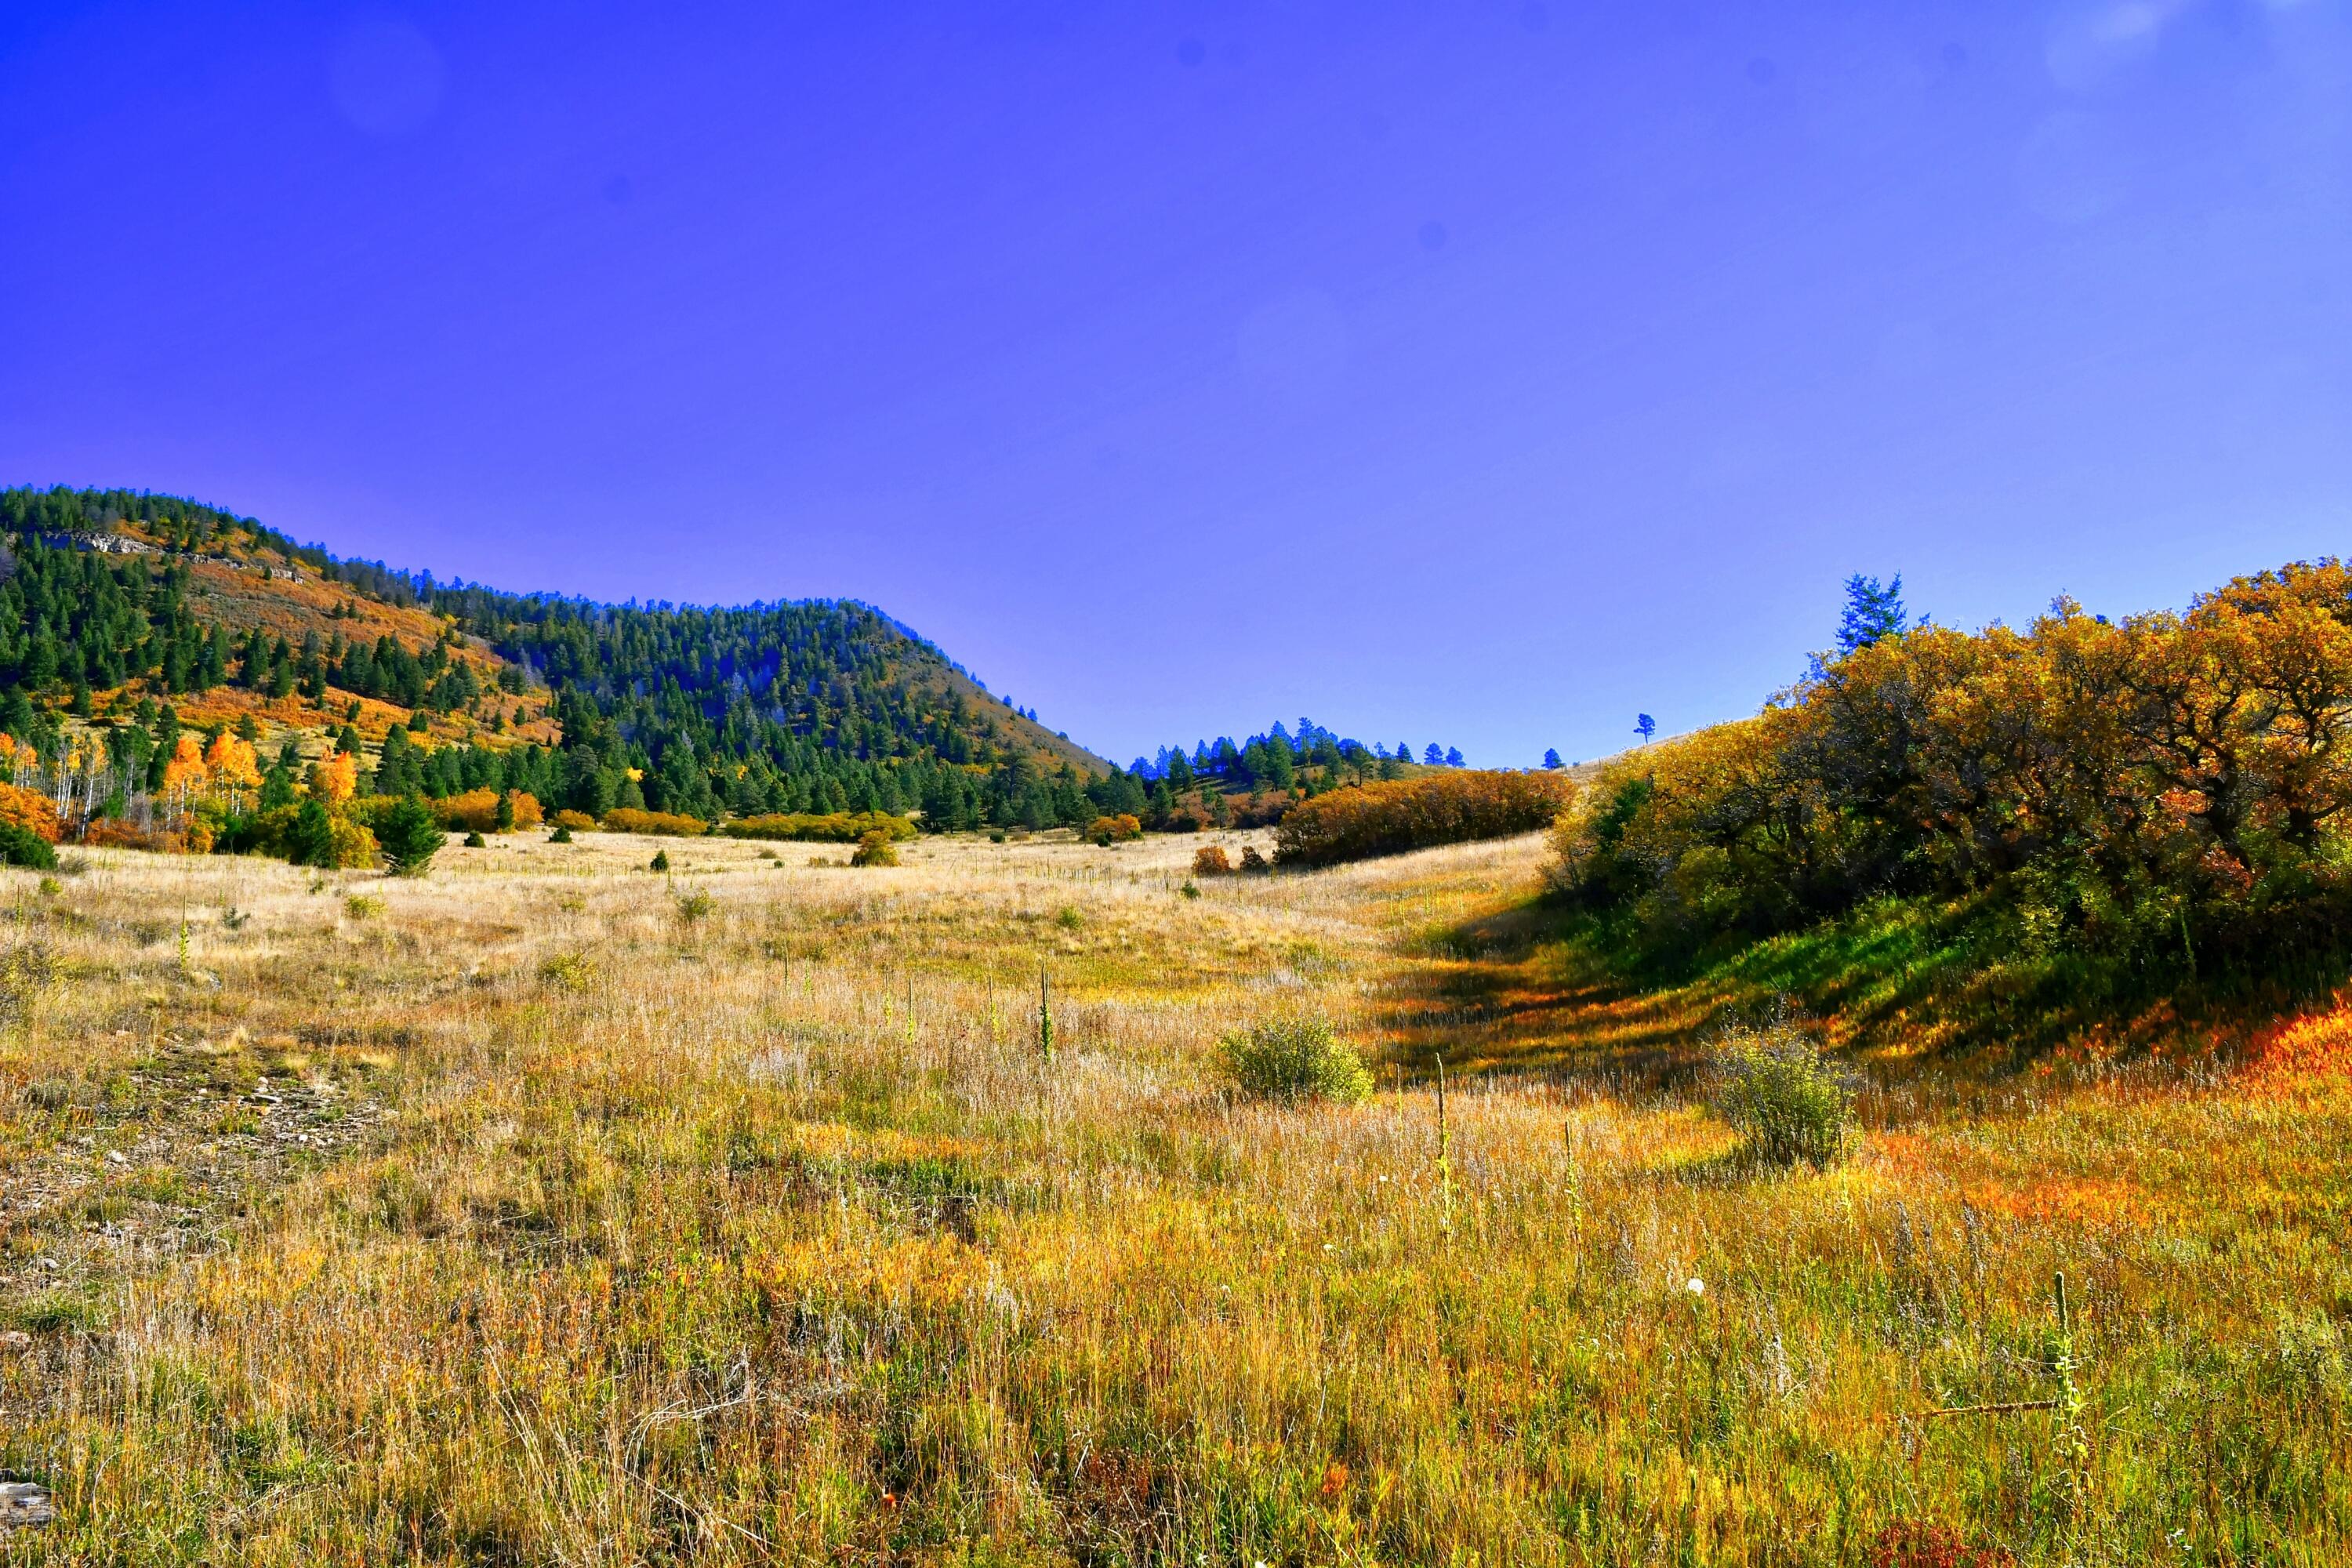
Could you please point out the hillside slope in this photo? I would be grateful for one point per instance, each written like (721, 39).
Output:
(132, 614)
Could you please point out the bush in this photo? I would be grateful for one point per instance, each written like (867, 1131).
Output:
(874, 849)
(20, 845)
(563, 834)
(474, 841)
(1788, 1101)
(410, 836)
(1361, 821)
(488, 811)
(660, 862)
(351, 845)
(1252, 860)
(2201, 818)
(574, 821)
(660, 823)
(1294, 1058)
(574, 972)
(1211, 860)
(476, 811)
(829, 827)
(1120, 829)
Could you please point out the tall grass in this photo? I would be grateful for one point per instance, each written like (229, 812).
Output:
(762, 1245)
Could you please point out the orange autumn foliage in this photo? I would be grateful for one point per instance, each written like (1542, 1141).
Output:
(476, 811)
(1457, 806)
(231, 762)
(185, 772)
(2173, 786)
(31, 810)
(334, 780)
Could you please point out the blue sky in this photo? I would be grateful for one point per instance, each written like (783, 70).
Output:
(1483, 373)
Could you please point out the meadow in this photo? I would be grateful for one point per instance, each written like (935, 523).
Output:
(543, 1209)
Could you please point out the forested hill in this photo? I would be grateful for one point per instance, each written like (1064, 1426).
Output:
(133, 613)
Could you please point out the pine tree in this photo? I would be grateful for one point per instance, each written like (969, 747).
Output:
(1872, 610)
(409, 836)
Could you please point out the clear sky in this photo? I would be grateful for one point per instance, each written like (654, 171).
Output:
(1478, 373)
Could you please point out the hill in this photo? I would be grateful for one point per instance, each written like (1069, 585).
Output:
(126, 617)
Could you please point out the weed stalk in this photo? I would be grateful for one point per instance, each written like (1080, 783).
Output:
(1044, 1013)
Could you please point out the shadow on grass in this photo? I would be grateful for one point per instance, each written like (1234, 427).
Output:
(1538, 989)
(1525, 991)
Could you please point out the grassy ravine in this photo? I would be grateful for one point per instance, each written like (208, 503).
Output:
(590, 1221)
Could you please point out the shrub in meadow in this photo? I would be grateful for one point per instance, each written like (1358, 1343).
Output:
(826, 827)
(574, 972)
(1791, 1102)
(1211, 860)
(1294, 1058)
(661, 824)
(572, 821)
(1254, 862)
(1120, 829)
(351, 845)
(875, 848)
(1359, 821)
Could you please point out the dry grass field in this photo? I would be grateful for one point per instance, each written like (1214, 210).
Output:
(547, 1210)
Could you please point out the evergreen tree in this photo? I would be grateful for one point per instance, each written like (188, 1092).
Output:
(409, 836)
(1872, 610)
(311, 840)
